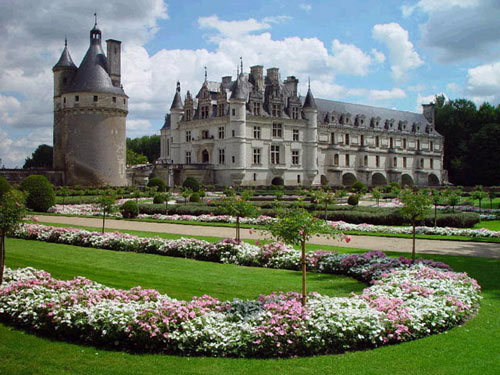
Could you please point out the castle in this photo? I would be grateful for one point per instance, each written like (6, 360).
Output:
(90, 109)
(257, 130)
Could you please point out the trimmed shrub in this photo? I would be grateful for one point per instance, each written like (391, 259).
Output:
(359, 187)
(129, 210)
(195, 197)
(158, 199)
(4, 186)
(40, 193)
(191, 183)
(353, 200)
(157, 182)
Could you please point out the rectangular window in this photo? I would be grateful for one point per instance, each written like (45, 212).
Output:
(205, 134)
(277, 130)
(404, 144)
(276, 110)
(64, 100)
(418, 145)
(332, 138)
(96, 98)
(188, 157)
(347, 160)
(188, 135)
(404, 162)
(391, 143)
(395, 162)
(233, 133)
(256, 132)
(77, 98)
(377, 141)
(256, 109)
(298, 178)
(233, 111)
(221, 132)
(295, 113)
(377, 161)
(295, 135)
(255, 176)
(275, 154)
(347, 139)
(222, 156)
(295, 157)
(188, 115)
(114, 99)
(432, 163)
(233, 159)
(256, 156)
(220, 109)
(336, 160)
(362, 140)
(431, 147)
(204, 112)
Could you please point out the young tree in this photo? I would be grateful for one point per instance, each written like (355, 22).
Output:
(63, 192)
(238, 206)
(166, 198)
(296, 226)
(326, 198)
(479, 194)
(437, 199)
(12, 212)
(186, 193)
(453, 198)
(416, 204)
(107, 205)
(136, 194)
(377, 194)
(491, 196)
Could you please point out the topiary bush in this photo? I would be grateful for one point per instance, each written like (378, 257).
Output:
(157, 182)
(359, 187)
(4, 186)
(129, 209)
(40, 193)
(195, 197)
(191, 183)
(353, 200)
(158, 199)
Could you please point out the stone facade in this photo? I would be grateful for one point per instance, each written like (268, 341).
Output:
(256, 130)
(90, 109)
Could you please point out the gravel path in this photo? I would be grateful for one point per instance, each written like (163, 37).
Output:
(477, 249)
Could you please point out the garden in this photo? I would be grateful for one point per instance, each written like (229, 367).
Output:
(147, 302)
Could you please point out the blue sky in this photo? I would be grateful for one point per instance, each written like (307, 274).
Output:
(395, 54)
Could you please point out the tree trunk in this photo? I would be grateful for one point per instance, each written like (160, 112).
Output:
(413, 244)
(238, 228)
(103, 220)
(435, 215)
(166, 207)
(2, 255)
(304, 270)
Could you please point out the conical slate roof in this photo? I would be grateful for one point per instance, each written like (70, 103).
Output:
(65, 60)
(309, 101)
(239, 89)
(177, 102)
(93, 74)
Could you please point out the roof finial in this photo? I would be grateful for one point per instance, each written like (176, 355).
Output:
(309, 82)
(95, 18)
(65, 40)
(205, 74)
(178, 86)
(241, 64)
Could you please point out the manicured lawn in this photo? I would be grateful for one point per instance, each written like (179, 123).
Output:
(471, 349)
(490, 224)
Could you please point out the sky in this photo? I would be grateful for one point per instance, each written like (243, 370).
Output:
(394, 54)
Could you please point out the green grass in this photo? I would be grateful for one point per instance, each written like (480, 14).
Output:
(490, 224)
(470, 349)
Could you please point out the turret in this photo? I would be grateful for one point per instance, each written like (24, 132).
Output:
(64, 71)
(311, 136)
(237, 117)
(177, 108)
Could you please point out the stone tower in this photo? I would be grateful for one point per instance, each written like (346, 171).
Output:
(311, 135)
(90, 109)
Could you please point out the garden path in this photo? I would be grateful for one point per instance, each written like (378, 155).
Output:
(463, 248)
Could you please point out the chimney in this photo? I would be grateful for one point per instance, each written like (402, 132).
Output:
(257, 77)
(273, 75)
(226, 80)
(428, 112)
(114, 61)
(291, 84)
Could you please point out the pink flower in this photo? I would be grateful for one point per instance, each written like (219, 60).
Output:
(301, 232)
(348, 239)
(35, 218)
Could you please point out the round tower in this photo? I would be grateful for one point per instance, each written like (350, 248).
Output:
(311, 137)
(237, 118)
(92, 109)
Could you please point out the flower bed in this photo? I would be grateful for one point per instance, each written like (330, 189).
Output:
(405, 302)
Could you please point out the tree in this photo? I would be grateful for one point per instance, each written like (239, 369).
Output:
(186, 193)
(107, 205)
(479, 194)
(4, 186)
(482, 158)
(491, 196)
(326, 198)
(238, 206)
(416, 205)
(377, 194)
(437, 199)
(296, 226)
(40, 193)
(134, 158)
(159, 183)
(12, 211)
(166, 198)
(40, 158)
(148, 146)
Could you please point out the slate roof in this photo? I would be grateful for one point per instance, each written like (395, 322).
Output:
(65, 61)
(166, 124)
(240, 89)
(92, 74)
(309, 100)
(177, 102)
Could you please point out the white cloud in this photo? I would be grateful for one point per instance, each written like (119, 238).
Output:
(13, 152)
(402, 54)
(395, 93)
(426, 99)
(349, 59)
(378, 56)
(453, 87)
(460, 29)
(483, 83)
(305, 6)
(277, 19)
(232, 28)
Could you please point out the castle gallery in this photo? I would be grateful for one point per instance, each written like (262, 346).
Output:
(253, 130)
(256, 130)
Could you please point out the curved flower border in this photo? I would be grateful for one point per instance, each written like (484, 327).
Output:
(404, 302)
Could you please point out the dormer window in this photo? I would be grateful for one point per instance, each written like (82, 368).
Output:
(276, 110)
(77, 98)
(204, 112)
(295, 113)
(96, 98)
(256, 109)
(220, 109)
